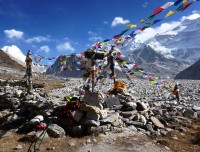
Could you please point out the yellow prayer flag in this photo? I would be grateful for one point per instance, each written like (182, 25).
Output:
(142, 21)
(185, 1)
(131, 26)
(169, 13)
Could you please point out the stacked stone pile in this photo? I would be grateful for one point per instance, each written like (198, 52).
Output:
(141, 109)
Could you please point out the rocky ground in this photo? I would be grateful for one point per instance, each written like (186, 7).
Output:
(146, 118)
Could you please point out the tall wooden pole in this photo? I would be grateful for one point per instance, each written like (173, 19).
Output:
(93, 73)
(29, 72)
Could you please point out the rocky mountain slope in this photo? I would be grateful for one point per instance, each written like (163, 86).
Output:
(155, 62)
(6, 61)
(192, 72)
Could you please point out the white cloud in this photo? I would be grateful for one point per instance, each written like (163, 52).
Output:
(94, 37)
(119, 20)
(45, 48)
(13, 34)
(65, 47)
(145, 4)
(38, 39)
(193, 16)
(151, 32)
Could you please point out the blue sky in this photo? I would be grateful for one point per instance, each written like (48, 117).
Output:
(51, 27)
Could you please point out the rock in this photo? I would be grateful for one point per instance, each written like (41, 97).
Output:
(93, 99)
(196, 108)
(18, 93)
(50, 148)
(132, 128)
(141, 106)
(18, 147)
(135, 123)
(97, 130)
(36, 120)
(55, 131)
(72, 142)
(156, 122)
(112, 119)
(128, 114)
(77, 115)
(88, 141)
(190, 113)
(143, 120)
(8, 134)
(77, 130)
(103, 114)
(112, 101)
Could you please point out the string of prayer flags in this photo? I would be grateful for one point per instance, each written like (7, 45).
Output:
(119, 35)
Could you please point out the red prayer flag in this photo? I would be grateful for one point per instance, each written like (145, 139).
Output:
(186, 6)
(136, 66)
(116, 36)
(83, 53)
(158, 10)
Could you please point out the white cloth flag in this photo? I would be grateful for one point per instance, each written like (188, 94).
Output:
(167, 5)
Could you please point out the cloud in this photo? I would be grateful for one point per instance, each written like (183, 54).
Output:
(38, 39)
(119, 20)
(66, 46)
(105, 22)
(193, 16)
(145, 4)
(44, 48)
(94, 37)
(164, 27)
(13, 34)
(151, 32)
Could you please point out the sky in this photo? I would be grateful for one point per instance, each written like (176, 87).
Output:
(51, 28)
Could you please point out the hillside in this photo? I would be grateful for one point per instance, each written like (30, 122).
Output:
(6, 61)
(192, 72)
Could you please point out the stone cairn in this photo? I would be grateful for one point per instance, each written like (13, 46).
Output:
(94, 113)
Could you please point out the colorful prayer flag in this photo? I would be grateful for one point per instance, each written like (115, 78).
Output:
(131, 26)
(186, 6)
(169, 14)
(158, 10)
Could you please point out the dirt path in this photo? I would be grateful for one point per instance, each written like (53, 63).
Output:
(122, 142)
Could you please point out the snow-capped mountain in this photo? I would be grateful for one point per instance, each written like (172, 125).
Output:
(16, 54)
(181, 43)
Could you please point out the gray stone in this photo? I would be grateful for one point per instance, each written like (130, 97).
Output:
(196, 108)
(77, 115)
(132, 128)
(72, 142)
(141, 106)
(55, 131)
(112, 101)
(93, 99)
(18, 147)
(190, 113)
(135, 123)
(128, 113)
(112, 119)
(77, 130)
(156, 122)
